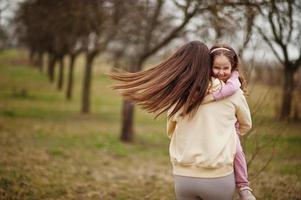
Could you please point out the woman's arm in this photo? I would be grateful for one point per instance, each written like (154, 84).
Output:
(243, 115)
(171, 123)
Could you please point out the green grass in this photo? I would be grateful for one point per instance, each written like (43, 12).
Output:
(48, 150)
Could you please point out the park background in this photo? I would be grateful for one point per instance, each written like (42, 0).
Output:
(65, 134)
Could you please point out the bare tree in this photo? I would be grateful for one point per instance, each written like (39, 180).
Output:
(73, 54)
(101, 22)
(227, 22)
(283, 36)
(148, 28)
(4, 5)
(153, 29)
(74, 13)
(33, 30)
(73, 27)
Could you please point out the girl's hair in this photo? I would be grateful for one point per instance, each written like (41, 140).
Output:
(228, 52)
(180, 81)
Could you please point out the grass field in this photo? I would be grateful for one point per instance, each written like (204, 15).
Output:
(48, 150)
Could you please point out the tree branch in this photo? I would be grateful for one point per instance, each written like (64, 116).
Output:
(276, 11)
(290, 15)
(278, 35)
(266, 39)
(153, 24)
(274, 30)
(265, 165)
(172, 34)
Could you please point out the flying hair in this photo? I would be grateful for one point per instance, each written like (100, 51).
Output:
(181, 80)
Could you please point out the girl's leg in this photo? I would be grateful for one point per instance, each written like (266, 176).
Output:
(241, 174)
(190, 188)
(240, 166)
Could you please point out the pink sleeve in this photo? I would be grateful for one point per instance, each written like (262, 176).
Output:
(231, 86)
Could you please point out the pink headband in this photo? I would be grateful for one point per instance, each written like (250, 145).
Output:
(220, 48)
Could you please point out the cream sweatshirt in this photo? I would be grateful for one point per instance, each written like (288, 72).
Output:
(205, 145)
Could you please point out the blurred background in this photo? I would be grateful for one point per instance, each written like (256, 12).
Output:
(64, 134)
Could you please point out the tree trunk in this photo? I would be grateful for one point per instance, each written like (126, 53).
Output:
(31, 55)
(87, 83)
(61, 73)
(51, 67)
(127, 131)
(296, 112)
(40, 61)
(287, 94)
(70, 77)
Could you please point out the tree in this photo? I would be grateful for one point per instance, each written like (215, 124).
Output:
(148, 29)
(32, 28)
(101, 20)
(4, 5)
(283, 36)
(74, 26)
(143, 30)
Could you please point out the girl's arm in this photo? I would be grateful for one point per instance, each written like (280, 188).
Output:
(232, 85)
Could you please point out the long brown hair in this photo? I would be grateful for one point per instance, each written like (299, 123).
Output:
(229, 53)
(181, 80)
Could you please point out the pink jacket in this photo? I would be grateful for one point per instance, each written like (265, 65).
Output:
(230, 87)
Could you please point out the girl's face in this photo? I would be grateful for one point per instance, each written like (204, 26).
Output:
(221, 68)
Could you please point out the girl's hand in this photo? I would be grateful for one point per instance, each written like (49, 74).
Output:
(209, 91)
(208, 98)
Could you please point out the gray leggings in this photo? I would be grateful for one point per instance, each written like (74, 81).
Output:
(190, 188)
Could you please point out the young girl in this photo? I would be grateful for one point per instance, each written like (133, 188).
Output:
(203, 138)
(224, 62)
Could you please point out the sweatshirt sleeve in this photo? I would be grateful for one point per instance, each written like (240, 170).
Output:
(243, 115)
(171, 124)
(231, 86)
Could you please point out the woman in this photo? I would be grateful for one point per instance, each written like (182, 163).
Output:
(202, 146)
